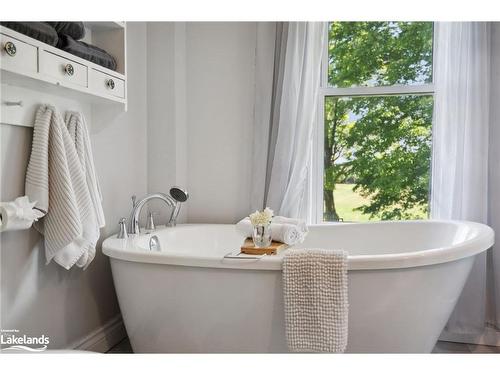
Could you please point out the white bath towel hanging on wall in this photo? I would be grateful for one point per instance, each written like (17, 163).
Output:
(78, 130)
(56, 180)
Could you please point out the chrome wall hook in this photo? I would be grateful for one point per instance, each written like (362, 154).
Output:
(13, 104)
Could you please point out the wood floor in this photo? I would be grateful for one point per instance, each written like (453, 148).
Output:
(442, 347)
(456, 347)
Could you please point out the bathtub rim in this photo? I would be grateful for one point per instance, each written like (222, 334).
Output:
(128, 250)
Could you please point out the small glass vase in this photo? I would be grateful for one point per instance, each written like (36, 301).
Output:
(262, 235)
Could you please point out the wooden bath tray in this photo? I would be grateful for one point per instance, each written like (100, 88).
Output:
(249, 248)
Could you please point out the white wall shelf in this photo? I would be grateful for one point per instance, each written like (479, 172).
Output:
(104, 25)
(44, 68)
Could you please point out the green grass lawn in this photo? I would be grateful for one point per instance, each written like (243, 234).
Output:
(346, 200)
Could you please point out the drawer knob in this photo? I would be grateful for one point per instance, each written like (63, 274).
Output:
(110, 84)
(69, 69)
(10, 48)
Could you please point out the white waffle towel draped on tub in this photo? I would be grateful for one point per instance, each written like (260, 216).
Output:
(58, 181)
(316, 304)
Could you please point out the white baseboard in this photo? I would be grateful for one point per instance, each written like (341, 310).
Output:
(103, 338)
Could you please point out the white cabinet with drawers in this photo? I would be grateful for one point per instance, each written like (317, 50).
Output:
(18, 56)
(25, 61)
(64, 70)
(106, 84)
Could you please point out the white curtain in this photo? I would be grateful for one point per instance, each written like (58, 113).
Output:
(283, 134)
(460, 169)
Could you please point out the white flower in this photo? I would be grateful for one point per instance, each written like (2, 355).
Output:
(262, 217)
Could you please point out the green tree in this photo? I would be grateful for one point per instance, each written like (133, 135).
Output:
(381, 143)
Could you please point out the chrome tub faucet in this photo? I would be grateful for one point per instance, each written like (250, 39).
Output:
(174, 200)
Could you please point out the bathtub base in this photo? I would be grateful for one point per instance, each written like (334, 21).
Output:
(179, 309)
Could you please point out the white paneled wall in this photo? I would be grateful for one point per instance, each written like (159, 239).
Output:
(166, 112)
(220, 75)
(201, 79)
(492, 337)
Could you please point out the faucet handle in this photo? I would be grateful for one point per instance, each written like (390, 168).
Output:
(150, 223)
(134, 199)
(122, 233)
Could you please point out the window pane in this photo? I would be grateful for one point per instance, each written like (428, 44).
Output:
(377, 155)
(379, 53)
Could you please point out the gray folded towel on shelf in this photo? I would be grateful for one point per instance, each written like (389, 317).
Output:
(316, 302)
(41, 31)
(76, 30)
(86, 51)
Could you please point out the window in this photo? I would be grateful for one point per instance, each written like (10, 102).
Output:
(373, 145)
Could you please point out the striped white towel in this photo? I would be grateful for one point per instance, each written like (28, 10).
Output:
(316, 304)
(78, 131)
(56, 180)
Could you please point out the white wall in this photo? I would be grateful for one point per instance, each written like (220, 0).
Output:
(67, 305)
(493, 312)
(201, 79)
(166, 80)
(220, 73)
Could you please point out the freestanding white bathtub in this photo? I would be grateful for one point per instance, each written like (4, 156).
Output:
(404, 280)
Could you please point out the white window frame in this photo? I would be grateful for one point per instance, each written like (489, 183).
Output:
(316, 177)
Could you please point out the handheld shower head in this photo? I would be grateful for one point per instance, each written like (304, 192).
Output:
(180, 196)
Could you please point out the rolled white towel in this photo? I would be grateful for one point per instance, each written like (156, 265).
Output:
(287, 233)
(18, 214)
(301, 224)
(245, 227)
(286, 230)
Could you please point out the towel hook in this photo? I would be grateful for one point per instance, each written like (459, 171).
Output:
(13, 104)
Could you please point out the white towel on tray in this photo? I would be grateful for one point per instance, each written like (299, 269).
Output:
(315, 297)
(56, 179)
(286, 230)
